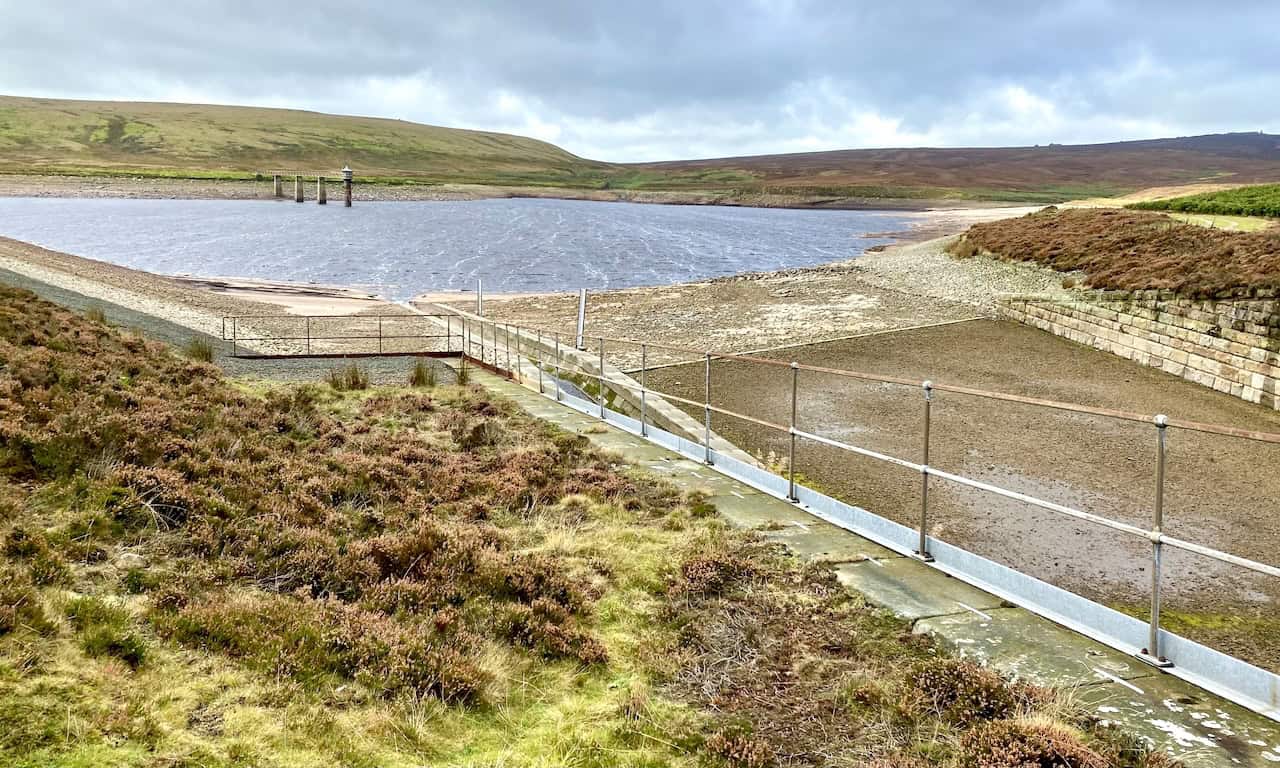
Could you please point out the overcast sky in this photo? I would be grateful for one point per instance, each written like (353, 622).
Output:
(616, 80)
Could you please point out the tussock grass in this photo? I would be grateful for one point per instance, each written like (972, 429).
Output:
(422, 375)
(199, 349)
(348, 377)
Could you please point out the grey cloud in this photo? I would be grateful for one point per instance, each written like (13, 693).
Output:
(649, 80)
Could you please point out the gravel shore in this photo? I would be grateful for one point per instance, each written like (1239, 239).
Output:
(902, 287)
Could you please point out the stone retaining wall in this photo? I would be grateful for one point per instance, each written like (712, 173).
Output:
(1232, 346)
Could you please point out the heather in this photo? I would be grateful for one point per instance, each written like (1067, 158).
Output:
(204, 571)
(1132, 250)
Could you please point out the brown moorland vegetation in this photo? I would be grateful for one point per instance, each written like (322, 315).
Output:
(1132, 250)
(197, 571)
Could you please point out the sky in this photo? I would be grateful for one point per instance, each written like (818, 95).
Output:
(657, 80)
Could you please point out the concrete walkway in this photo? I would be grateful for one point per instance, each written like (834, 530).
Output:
(1195, 726)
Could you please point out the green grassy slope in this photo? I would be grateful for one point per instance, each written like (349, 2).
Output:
(52, 135)
(1260, 200)
(203, 141)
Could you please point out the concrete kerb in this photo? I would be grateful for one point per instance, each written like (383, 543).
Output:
(625, 389)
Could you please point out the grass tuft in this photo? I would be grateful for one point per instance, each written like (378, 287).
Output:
(423, 374)
(348, 377)
(199, 349)
(106, 630)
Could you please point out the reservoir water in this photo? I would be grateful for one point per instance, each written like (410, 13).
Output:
(400, 249)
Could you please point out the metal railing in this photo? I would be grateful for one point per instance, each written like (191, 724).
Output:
(268, 336)
(505, 347)
(545, 352)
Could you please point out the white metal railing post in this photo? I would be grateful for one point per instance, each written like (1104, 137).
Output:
(644, 363)
(923, 551)
(448, 333)
(506, 342)
(519, 375)
(559, 397)
(602, 377)
(580, 342)
(538, 364)
(234, 334)
(479, 297)
(308, 334)
(706, 412)
(379, 334)
(1152, 653)
(791, 457)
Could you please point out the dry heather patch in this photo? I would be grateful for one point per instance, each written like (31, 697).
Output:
(1130, 250)
(800, 672)
(197, 572)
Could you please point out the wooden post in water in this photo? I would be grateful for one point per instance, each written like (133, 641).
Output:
(346, 186)
(297, 188)
(279, 186)
(321, 196)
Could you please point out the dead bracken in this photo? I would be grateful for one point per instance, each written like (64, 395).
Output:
(1132, 250)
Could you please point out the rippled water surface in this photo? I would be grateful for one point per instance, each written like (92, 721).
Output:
(404, 248)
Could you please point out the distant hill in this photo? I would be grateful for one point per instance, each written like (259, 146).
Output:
(52, 134)
(1052, 172)
(153, 139)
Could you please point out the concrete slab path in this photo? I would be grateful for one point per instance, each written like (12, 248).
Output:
(1197, 727)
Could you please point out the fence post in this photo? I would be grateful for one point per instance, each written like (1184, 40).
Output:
(234, 323)
(538, 364)
(791, 460)
(479, 297)
(1152, 653)
(706, 413)
(379, 334)
(448, 333)
(519, 375)
(308, 334)
(559, 397)
(644, 363)
(506, 342)
(923, 551)
(580, 342)
(602, 377)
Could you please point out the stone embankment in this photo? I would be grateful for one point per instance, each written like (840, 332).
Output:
(1232, 346)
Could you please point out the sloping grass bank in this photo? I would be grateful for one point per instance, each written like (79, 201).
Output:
(1132, 250)
(205, 572)
(1258, 200)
